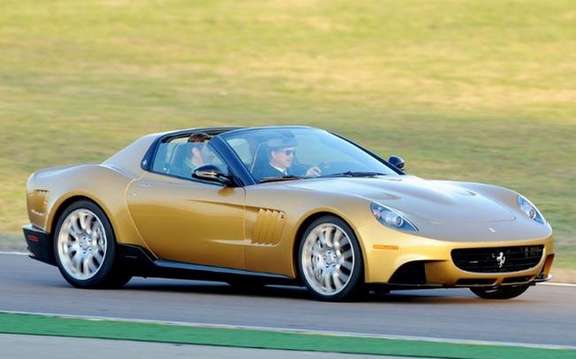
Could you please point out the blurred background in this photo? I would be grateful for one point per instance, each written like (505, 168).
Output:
(481, 91)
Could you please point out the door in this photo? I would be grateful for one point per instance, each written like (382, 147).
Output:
(189, 221)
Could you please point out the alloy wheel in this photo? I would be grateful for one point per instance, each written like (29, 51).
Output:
(82, 244)
(327, 259)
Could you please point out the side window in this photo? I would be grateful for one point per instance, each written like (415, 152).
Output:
(166, 155)
(179, 157)
(242, 149)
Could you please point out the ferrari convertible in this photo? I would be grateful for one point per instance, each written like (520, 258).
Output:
(288, 205)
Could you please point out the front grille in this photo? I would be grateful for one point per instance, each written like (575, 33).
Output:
(497, 260)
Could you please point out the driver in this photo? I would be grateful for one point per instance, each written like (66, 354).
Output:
(280, 153)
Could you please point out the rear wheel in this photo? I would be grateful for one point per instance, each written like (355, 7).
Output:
(330, 260)
(505, 292)
(85, 248)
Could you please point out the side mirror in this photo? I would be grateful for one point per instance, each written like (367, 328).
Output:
(397, 162)
(212, 173)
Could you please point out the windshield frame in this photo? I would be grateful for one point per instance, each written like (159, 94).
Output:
(223, 137)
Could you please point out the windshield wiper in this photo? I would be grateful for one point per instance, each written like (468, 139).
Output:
(343, 174)
(282, 178)
(356, 174)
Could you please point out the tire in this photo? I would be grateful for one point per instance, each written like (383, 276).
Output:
(85, 248)
(321, 260)
(505, 292)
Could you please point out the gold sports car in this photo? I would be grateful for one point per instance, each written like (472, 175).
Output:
(281, 205)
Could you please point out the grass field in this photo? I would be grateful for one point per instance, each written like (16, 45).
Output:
(472, 90)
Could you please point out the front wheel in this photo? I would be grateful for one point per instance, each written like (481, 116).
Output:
(330, 260)
(85, 248)
(505, 292)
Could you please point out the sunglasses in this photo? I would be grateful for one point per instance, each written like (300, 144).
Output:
(289, 152)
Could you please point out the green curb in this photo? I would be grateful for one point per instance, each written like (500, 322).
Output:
(245, 338)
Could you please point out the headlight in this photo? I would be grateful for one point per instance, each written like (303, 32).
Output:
(529, 209)
(391, 218)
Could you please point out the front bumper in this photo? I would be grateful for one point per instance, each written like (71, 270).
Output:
(417, 262)
(39, 244)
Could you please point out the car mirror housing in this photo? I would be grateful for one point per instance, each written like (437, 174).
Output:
(213, 174)
(397, 162)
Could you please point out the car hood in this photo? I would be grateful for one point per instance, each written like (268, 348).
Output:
(432, 201)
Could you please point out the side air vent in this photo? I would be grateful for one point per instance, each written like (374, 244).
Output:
(268, 227)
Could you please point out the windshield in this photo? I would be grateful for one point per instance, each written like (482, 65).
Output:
(289, 153)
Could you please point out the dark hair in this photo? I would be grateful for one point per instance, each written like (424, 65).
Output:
(198, 137)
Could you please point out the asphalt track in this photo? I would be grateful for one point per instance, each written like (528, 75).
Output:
(27, 347)
(544, 315)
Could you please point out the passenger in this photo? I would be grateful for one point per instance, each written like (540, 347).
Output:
(195, 158)
(189, 155)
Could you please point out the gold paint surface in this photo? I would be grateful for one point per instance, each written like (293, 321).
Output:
(258, 227)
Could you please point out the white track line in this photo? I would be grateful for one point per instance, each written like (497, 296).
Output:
(554, 284)
(301, 331)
